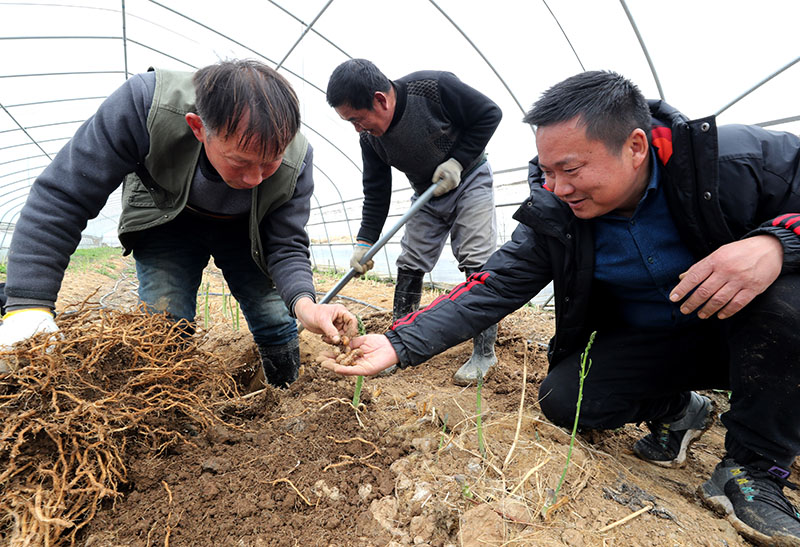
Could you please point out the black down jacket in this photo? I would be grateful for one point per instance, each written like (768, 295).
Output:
(722, 184)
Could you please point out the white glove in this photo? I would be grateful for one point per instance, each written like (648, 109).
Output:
(359, 250)
(20, 325)
(450, 174)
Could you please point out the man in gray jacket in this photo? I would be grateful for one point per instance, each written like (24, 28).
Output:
(213, 165)
(434, 128)
(678, 243)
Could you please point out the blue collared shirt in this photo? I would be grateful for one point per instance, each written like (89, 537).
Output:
(638, 259)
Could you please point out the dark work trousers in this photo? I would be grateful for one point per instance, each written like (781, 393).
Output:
(640, 375)
(170, 259)
(466, 213)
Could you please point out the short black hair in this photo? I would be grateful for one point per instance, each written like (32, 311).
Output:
(229, 91)
(609, 106)
(354, 83)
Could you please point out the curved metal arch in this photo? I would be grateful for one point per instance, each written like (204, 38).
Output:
(26, 189)
(17, 209)
(303, 34)
(74, 73)
(124, 38)
(479, 52)
(51, 124)
(34, 143)
(112, 10)
(75, 99)
(39, 167)
(779, 121)
(77, 37)
(155, 50)
(327, 235)
(13, 119)
(218, 33)
(10, 222)
(341, 200)
(564, 34)
(326, 139)
(238, 43)
(8, 202)
(644, 48)
(296, 18)
(759, 84)
(278, 66)
(15, 190)
(23, 159)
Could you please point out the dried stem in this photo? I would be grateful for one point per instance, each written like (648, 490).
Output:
(521, 403)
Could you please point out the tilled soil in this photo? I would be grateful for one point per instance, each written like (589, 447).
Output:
(303, 467)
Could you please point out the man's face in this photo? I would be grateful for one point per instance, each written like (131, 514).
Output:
(374, 121)
(589, 178)
(240, 168)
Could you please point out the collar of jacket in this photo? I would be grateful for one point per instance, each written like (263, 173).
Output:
(691, 177)
(547, 214)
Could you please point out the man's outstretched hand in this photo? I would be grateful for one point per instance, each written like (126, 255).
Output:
(378, 354)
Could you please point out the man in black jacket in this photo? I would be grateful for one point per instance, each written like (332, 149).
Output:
(679, 244)
(434, 128)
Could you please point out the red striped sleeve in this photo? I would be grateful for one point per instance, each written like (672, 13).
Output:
(790, 221)
(478, 278)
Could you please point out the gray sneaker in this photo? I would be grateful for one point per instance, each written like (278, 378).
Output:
(668, 442)
(752, 500)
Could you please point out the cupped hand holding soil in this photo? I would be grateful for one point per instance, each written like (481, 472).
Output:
(342, 354)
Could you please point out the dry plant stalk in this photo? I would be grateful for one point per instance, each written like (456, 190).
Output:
(521, 403)
(623, 520)
(80, 401)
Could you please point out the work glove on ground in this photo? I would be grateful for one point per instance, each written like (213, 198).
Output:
(20, 325)
(449, 173)
(359, 250)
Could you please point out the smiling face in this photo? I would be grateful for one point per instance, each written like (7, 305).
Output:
(585, 175)
(240, 168)
(375, 121)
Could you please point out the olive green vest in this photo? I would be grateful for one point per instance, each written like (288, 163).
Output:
(157, 192)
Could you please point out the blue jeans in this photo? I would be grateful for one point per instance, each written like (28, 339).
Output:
(170, 260)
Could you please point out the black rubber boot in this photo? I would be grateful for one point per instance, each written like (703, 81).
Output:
(281, 363)
(407, 293)
(483, 357)
(2, 298)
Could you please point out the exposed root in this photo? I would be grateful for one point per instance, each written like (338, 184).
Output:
(79, 402)
(351, 460)
(287, 481)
